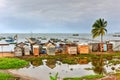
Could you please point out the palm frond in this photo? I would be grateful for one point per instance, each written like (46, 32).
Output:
(99, 28)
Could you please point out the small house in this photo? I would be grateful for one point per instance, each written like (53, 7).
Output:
(110, 47)
(36, 49)
(83, 49)
(50, 49)
(115, 45)
(103, 47)
(71, 48)
(26, 50)
(18, 51)
(95, 47)
(63, 48)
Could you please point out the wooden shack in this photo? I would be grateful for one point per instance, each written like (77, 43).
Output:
(95, 47)
(26, 50)
(36, 50)
(50, 49)
(63, 48)
(18, 51)
(83, 49)
(72, 49)
(103, 47)
(110, 47)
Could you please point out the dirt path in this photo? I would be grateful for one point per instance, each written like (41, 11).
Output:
(18, 76)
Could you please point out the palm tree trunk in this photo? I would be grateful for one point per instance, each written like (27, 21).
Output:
(101, 38)
(101, 57)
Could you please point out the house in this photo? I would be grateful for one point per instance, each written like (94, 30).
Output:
(26, 50)
(18, 51)
(71, 48)
(50, 47)
(110, 47)
(95, 47)
(25, 47)
(36, 49)
(83, 49)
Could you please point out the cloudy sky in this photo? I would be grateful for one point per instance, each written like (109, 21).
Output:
(57, 16)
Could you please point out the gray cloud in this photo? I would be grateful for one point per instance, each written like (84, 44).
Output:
(61, 10)
(67, 14)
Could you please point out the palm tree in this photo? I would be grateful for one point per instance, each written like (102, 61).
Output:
(99, 28)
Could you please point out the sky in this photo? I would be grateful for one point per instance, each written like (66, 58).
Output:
(57, 16)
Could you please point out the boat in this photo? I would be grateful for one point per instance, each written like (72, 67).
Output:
(10, 40)
(75, 34)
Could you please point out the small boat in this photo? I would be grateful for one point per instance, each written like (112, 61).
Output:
(10, 40)
(75, 34)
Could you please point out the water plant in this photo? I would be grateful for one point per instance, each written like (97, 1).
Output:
(54, 77)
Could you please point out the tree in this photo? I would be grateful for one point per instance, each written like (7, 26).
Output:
(99, 28)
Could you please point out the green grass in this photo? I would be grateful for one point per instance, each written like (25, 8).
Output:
(5, 76)
(12, 63)
(88, 77)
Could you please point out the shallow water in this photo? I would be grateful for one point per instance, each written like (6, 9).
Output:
(43, 72)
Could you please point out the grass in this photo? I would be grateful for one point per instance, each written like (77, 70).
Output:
(12, 63)
(88, 77)
(5, 76)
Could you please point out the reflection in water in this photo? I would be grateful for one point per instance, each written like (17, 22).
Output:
(98, 65)
(83, 60)
(42, 72)
(51, 63)
(36, 63)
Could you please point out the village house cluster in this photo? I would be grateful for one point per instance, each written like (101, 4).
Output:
(52, 48)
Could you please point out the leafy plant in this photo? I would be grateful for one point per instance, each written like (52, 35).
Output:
(54, 77)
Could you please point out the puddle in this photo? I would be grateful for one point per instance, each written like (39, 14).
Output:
(43, 72)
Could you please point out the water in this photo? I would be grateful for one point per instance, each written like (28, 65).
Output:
(43, 72)
(83, 37)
